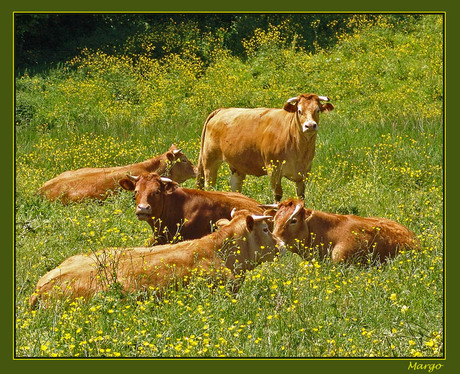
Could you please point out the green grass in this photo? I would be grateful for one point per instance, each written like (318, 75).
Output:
(380, 153)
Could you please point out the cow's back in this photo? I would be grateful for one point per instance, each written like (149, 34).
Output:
(195, 211)
(132, 268)
(75, 185)
(390, 236)
(216, 202)
(244, 127)
(242, 136)
(361, 235)
(160, 265)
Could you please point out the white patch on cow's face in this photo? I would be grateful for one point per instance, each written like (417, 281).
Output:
(309, 125)
(308, 112)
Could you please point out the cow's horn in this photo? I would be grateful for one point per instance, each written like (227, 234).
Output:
(268, 206)
(232, 213)
(293, 100)
(323, 98)
(166, 180)
(134, 178)
(176, 151)
(260, 218)
(296, 210)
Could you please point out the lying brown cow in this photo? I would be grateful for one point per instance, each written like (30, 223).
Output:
(343, 237)
(277, 142)
(170, 209)
(76, 185)
(239, 245)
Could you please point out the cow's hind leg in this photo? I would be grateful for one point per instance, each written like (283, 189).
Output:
(210, 174)
(339, 253)
(347, 251)
(236, 180)
(275, 181)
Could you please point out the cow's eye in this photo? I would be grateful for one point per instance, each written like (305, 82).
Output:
(293, 221)
(157, 192)
(265, 230)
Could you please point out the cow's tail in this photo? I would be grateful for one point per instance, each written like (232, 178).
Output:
(200, 172)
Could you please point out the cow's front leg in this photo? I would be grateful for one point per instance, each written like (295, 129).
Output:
(236, 180)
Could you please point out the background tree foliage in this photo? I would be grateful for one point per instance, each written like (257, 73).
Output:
(45, 39)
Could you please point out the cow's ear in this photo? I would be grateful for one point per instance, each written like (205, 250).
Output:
(127, 184)
(308, 214)
(290, 107)
(291, 104)
(250, 223)
(170, 156)
(270, 212)
(328, 107)
(170, 187)
(222, 222)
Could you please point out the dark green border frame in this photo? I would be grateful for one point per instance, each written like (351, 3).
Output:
(452, 35)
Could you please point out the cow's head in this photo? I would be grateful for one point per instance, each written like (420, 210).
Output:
(180, 168)
(251, 242)
(308, 107)
(291, 223)
(149, 192)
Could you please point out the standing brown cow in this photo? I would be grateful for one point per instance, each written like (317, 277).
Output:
(277, 142)
(343, 237)
(170, 209)
(238, 245)
(76, 185)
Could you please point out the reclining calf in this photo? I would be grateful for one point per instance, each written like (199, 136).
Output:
(174, 211)
(343, 237)
(97, 183)
(239, 245)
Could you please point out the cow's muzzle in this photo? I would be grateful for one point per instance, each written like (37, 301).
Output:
(310, 126)
(143, 212)
(281, 247)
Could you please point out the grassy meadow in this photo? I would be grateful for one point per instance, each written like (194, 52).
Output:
(379, 153)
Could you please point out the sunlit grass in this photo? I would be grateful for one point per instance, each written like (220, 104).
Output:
(305, 307)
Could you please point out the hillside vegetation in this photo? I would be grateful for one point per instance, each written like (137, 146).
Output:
(379, 153)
